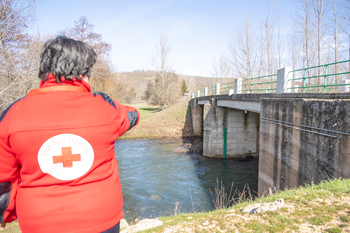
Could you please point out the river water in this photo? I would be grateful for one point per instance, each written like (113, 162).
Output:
(154, 179)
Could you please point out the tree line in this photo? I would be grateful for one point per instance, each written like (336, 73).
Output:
(320, 34)
(20, 53)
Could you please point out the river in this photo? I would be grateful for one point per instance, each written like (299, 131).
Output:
(154, 180)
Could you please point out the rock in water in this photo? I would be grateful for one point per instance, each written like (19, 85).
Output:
(180, 150)
(143, 225)
(198, 148)
(156, 197)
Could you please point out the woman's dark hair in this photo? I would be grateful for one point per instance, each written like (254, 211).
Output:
(64, 57)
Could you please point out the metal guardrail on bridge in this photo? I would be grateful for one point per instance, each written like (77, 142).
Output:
(313, 81)
(263, 84)
(332, 77)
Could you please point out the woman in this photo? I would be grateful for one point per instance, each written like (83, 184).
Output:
(58, 171)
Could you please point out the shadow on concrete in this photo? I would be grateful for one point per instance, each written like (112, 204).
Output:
(187, 131)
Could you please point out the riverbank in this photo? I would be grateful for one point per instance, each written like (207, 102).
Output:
(314, 208)
(168, 123)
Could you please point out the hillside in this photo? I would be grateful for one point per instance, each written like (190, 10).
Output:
(140, 78)
(168, 123)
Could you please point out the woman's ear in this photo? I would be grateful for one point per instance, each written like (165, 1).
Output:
(85, 78)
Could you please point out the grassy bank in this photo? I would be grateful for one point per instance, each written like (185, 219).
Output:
(314, 208)
(156, 124)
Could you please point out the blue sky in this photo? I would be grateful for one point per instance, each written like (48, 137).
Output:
(197, 30)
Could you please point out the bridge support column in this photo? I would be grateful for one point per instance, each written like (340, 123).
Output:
(242, 132)
(197, 119)
(213, 134)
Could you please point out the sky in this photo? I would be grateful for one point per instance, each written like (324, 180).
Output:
(197, 30)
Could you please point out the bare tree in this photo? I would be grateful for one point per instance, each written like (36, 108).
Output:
(345, 25)
(268, 24)
(294, 50)
(279, 39)
(83, 30)
(305, 23)
(243, 52)
(221, 69)
(319, 13)
(124, 88)
(335, 36)
(15, 69)
(164, 88)
(307, 37)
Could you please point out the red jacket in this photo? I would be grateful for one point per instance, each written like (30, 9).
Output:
(58, 171)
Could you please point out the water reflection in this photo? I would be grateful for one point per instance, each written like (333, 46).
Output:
(154, 179)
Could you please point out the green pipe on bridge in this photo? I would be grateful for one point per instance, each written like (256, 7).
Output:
(225, 142)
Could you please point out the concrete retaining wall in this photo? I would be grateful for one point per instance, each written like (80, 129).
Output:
(290, 154)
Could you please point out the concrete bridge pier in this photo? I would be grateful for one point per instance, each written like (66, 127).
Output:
(197, 118)
(242, 132)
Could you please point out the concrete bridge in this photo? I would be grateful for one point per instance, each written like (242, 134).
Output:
(298, 137)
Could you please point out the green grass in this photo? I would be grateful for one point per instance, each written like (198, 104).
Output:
(320, 219)
(307, 211)
(146, 111)
(334, 230)
(345, 218)
(256, 226)
(156, 124)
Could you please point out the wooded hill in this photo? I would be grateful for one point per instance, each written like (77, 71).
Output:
(141, 78)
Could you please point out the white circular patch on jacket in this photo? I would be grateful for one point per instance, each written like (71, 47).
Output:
(66, 156)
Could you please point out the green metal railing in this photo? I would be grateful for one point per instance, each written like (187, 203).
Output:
(313, 81)
(224, 88)
(211, 90)
(260, 84)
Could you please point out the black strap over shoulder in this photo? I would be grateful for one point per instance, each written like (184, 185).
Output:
(7, 109)
(5, 189)
(106, 98)
(132, 116)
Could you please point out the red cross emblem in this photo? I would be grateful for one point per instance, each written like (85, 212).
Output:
(67, 158)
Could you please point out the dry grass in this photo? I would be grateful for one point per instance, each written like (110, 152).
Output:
(315, 208)
(220, 197)
(12, 228)
(155, 124)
